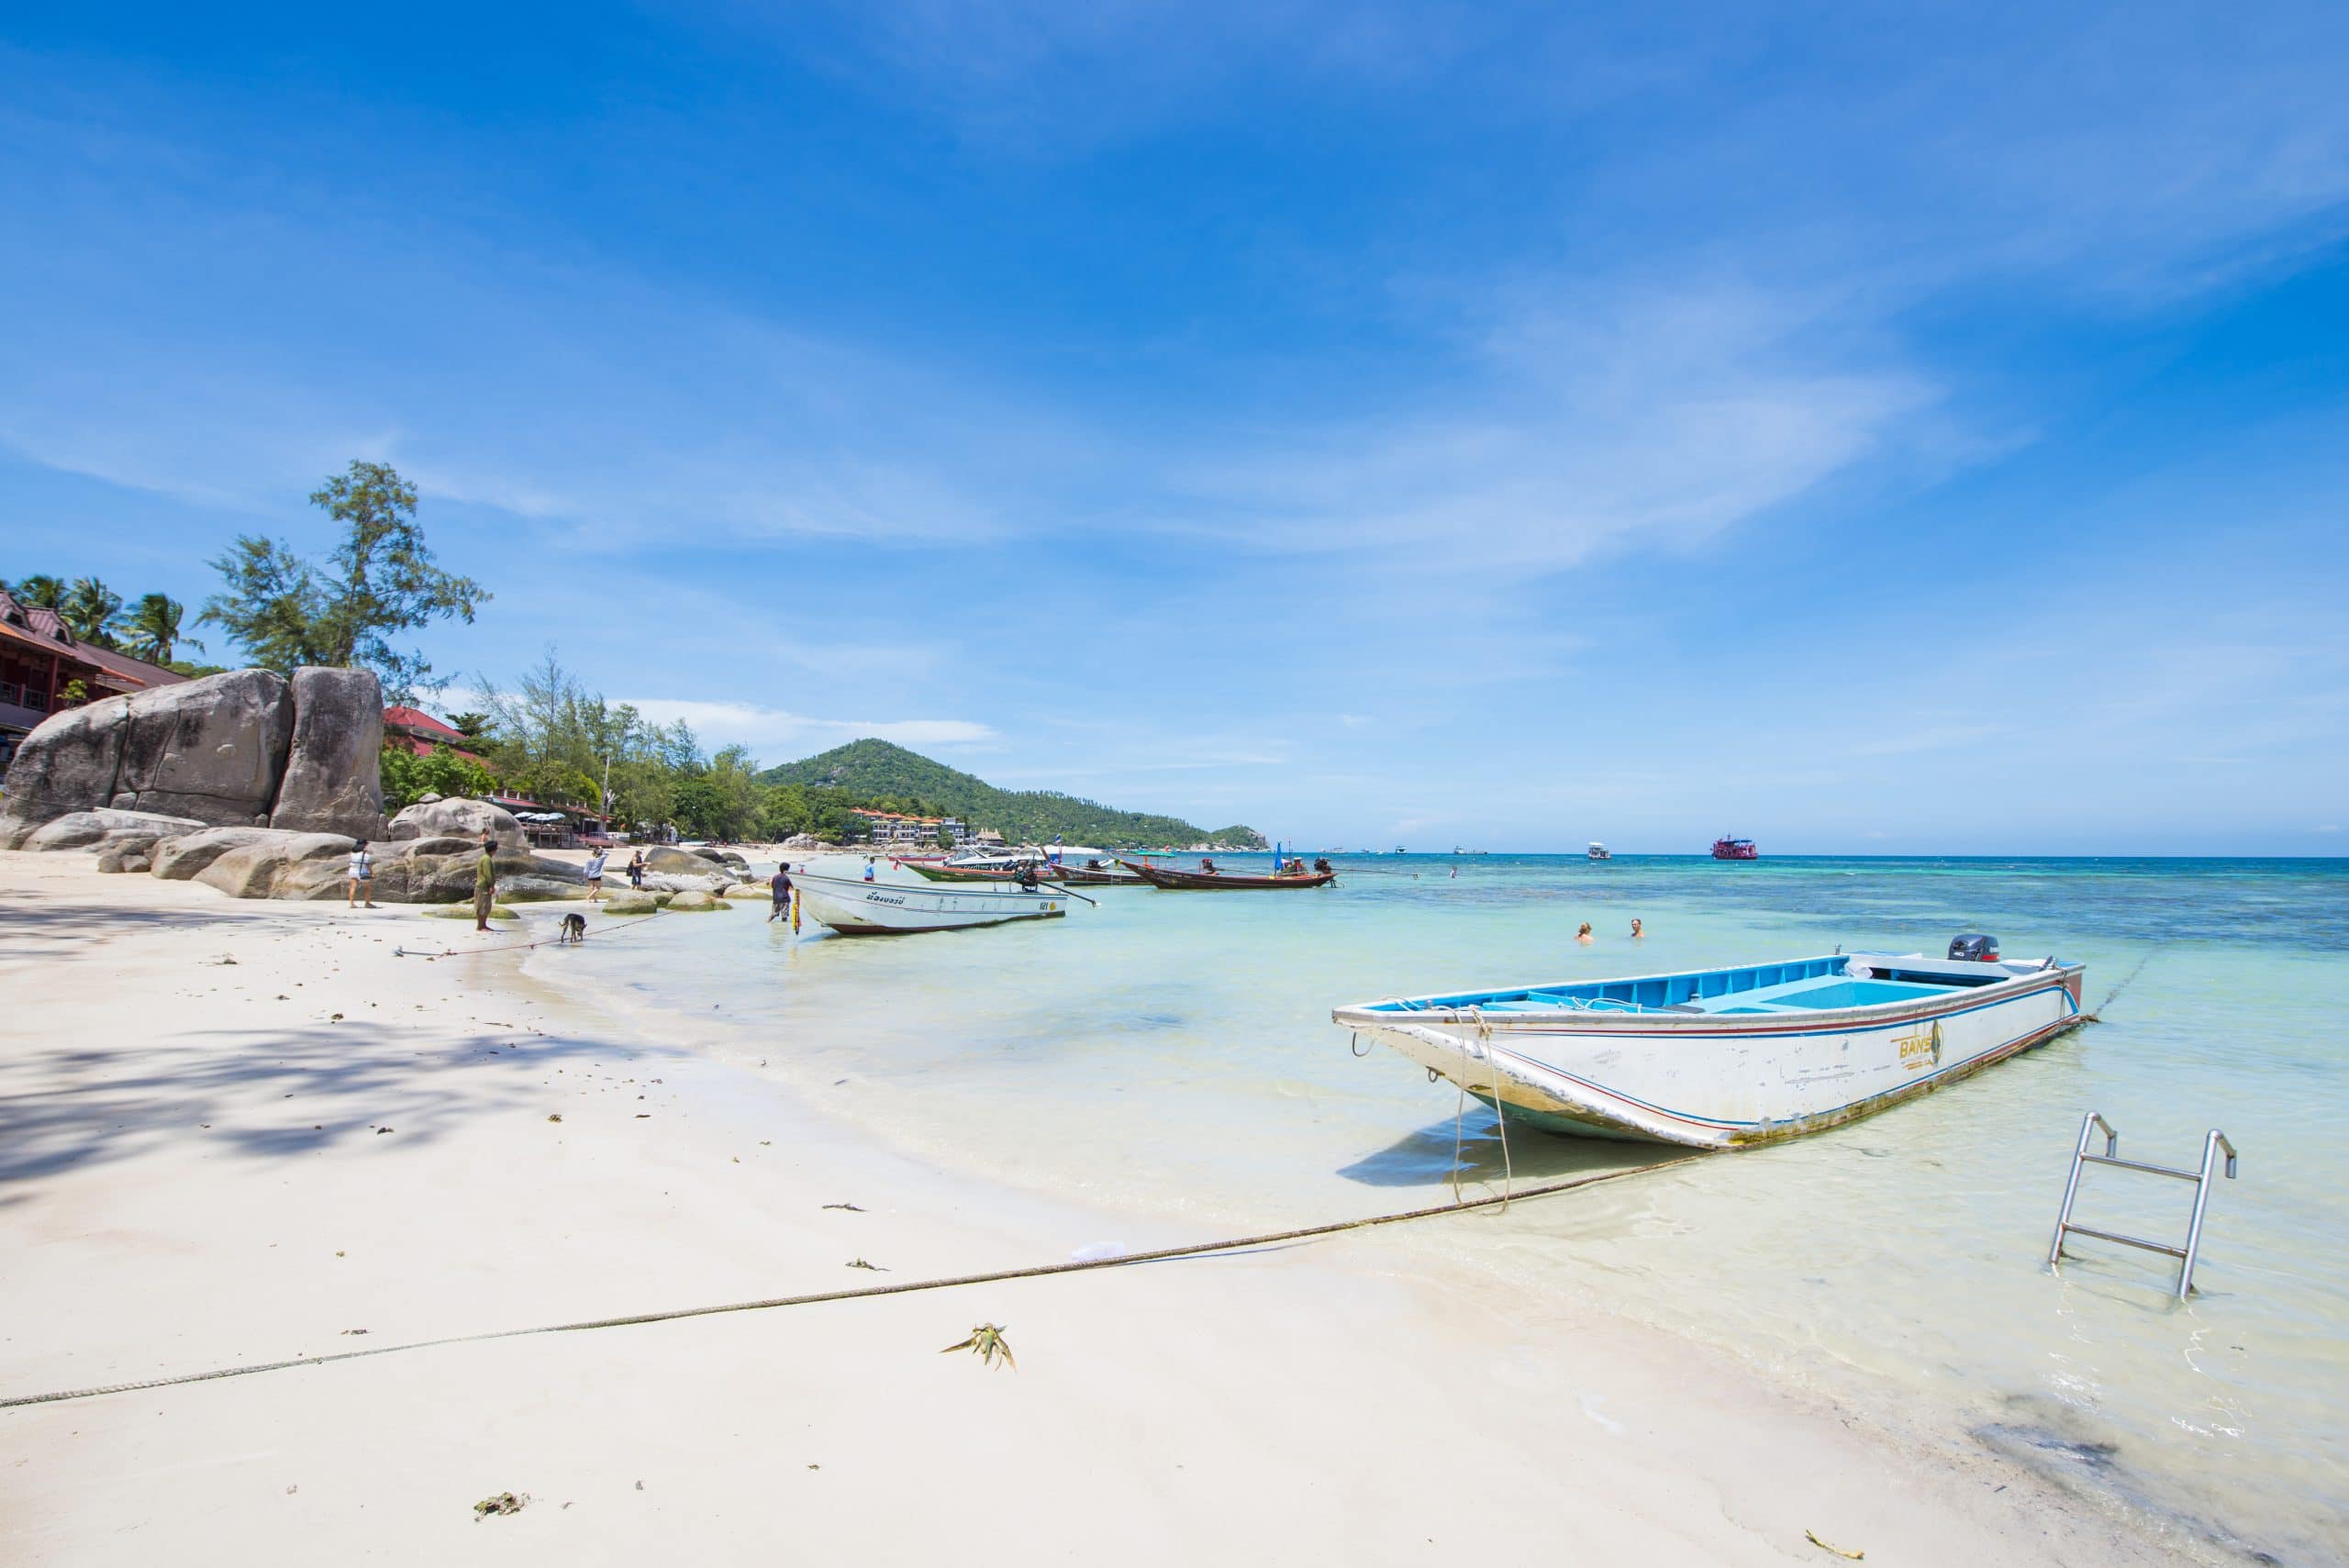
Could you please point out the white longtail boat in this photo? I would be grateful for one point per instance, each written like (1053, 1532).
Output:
(891, 907)
(1728, 1058)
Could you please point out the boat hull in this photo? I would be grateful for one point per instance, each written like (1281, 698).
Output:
(1223, 882)
(1711, 1083)
(893, 908)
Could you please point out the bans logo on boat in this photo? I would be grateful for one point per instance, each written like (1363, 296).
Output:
(1921, 1050)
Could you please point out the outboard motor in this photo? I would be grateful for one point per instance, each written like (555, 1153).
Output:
(1975, 948)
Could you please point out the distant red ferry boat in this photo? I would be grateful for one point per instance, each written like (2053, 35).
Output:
(1727, 849)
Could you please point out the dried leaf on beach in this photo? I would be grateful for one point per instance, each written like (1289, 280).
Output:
(1831, 1546)
(850, 1206)
(987, 1342)
(502, 1503)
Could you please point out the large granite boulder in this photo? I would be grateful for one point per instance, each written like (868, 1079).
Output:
(180, 859)
(68, 763)
(629, 904)
(213, 750)
(456, 817)
(333, 781)
(409, 876)
(91, 829)
(127, 855)
(697, 904)
(693, 862)
(278, 865)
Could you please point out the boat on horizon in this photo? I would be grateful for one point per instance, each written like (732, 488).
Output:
(1733, 1058)
(1728, 848)
(855, 907)
(1600, 851)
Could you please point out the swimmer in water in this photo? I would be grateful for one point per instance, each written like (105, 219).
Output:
(1636, 932)
(1584, 936)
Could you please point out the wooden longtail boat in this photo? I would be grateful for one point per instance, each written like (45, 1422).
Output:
(939, 872)
(1097, 876)
(1730, 1058)
(1221, 881)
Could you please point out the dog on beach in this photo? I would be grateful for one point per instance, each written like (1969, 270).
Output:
(574, 929)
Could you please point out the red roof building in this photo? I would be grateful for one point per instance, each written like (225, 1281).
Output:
(414, 730)
(40, 661)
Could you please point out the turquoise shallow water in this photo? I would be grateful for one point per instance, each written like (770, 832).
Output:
(1169, 1056)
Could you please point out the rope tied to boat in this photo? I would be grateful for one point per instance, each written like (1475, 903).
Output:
(1161, 1254)
(401, 951)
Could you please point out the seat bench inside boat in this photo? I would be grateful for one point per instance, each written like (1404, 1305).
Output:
(1839, 981)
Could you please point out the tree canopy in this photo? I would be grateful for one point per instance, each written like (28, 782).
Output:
(378, 580)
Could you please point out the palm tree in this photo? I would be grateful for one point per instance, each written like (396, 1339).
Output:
(92, 611)
(154, 628)
(43, 590)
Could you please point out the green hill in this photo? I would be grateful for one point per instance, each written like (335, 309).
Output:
(876, 769)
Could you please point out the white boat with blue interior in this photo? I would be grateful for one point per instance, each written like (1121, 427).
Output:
(1728, 1058)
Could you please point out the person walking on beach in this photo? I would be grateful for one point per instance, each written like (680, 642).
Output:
(363, 877)
(484, 884)
(595, 869)
(1584, 936)
(781, 883)
(636, 869)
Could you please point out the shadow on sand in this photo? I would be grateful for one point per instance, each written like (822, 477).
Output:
(287, 1093)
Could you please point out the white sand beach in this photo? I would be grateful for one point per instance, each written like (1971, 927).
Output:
(235, 1132)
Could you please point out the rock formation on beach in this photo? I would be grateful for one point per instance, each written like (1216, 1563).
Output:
(247, 748)
(262, 786)
(456, 817)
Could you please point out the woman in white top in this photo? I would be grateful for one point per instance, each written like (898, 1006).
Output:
(363, 875)
(595, 869)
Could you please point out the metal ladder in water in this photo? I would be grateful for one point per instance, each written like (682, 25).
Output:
(2201, 1180)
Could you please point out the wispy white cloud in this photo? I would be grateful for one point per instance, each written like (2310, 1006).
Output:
(769, 731)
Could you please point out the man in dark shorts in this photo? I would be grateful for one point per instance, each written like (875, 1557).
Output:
(781, 883)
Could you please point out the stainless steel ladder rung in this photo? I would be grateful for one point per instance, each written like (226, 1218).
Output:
(2185, 1255)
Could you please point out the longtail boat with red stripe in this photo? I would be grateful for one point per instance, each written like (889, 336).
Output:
(1730, 1058)
(1213, 881)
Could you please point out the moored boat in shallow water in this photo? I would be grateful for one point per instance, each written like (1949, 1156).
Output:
(1224, 881)
(892, 907)
(1729, 1058)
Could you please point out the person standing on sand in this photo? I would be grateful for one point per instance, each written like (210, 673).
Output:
(484, 884)
(595, 869)
(781, 883)
(636, 869)
(363, 875)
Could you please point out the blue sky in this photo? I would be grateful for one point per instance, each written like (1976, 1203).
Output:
(1864, 429)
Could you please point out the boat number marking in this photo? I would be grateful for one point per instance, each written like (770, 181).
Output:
(880, 898)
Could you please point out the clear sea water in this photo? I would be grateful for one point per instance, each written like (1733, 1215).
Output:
(1168, 1060)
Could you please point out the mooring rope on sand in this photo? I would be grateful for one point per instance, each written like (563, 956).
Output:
(818, 1298)
(402, 951)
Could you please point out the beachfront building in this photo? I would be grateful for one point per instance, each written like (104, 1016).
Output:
(986, 838)
(413, 730)
(895, 829)
(45, 669)
(555, 827)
